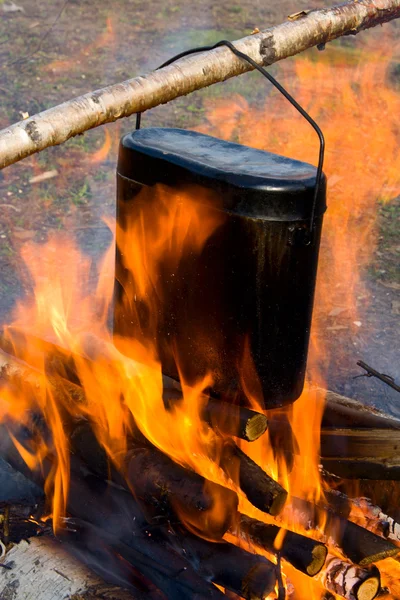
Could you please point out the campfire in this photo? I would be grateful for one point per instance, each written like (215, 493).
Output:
(176, 443)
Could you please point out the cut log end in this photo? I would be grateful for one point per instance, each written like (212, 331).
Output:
(368, 589)
(303, 553)
(278, 502)
(353, 582)
(319, 554)
(255, 427)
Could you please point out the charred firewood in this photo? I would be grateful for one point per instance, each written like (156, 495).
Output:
(229, 419)
(149, 470)
(115, 510)
(303, 553)
(232, 420)
(336, 502)
(341, 412)
(350, 581)
(262, 491)
(159, 483)
(111, 558)
(107, 524)
(237, 421)
(359, 545)
(251, 576)
(362, 546)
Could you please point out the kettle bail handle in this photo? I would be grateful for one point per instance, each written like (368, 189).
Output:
(283, 91)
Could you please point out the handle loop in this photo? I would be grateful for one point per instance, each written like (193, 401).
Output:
(282, 90)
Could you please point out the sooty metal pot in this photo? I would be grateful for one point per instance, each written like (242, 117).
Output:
(240, 308)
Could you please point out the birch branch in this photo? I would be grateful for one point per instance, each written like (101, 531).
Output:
(350, 581)
(56, 125)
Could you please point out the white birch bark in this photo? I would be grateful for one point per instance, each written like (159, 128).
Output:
(42, 569)
(56, 125)
(349, 581)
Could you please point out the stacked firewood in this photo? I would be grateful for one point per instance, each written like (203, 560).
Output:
(127, 524)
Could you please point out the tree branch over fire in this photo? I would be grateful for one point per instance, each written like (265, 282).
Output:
(304, 30)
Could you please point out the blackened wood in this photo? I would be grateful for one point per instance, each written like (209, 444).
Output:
(341, 412)
(84, 444)
(117, 512)
(227, 418)
(361, 469)
(362, 546)
(155, 479)
(173, 575)
(110, 515)
(262, 491)
(104, 515)
(87, 544)
(336, 502)
(17, 489)
(223, 417)
(236, 421)
(359, 545)
(385, 494)
(159, 484)
(250, 575)
(303, 553)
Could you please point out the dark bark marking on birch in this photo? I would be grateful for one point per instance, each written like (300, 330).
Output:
(267, 50)
(33, 132)
(95, 98)
(10, 591)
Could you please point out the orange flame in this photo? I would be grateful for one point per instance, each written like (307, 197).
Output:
(104, 151)
(106, 38)
(123, 382)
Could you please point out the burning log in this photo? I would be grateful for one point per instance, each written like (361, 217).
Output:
(159, 484)
(107, 525)
(350, 581)
(153, 476)
(385, 524)
(115, 513)
(249, 575)
(172, 575)
(102, 512)
(303, 553)
(237, 421)
(358, 544)
(261, 490)
(316, 27)
(362, 546)
(226, 418)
